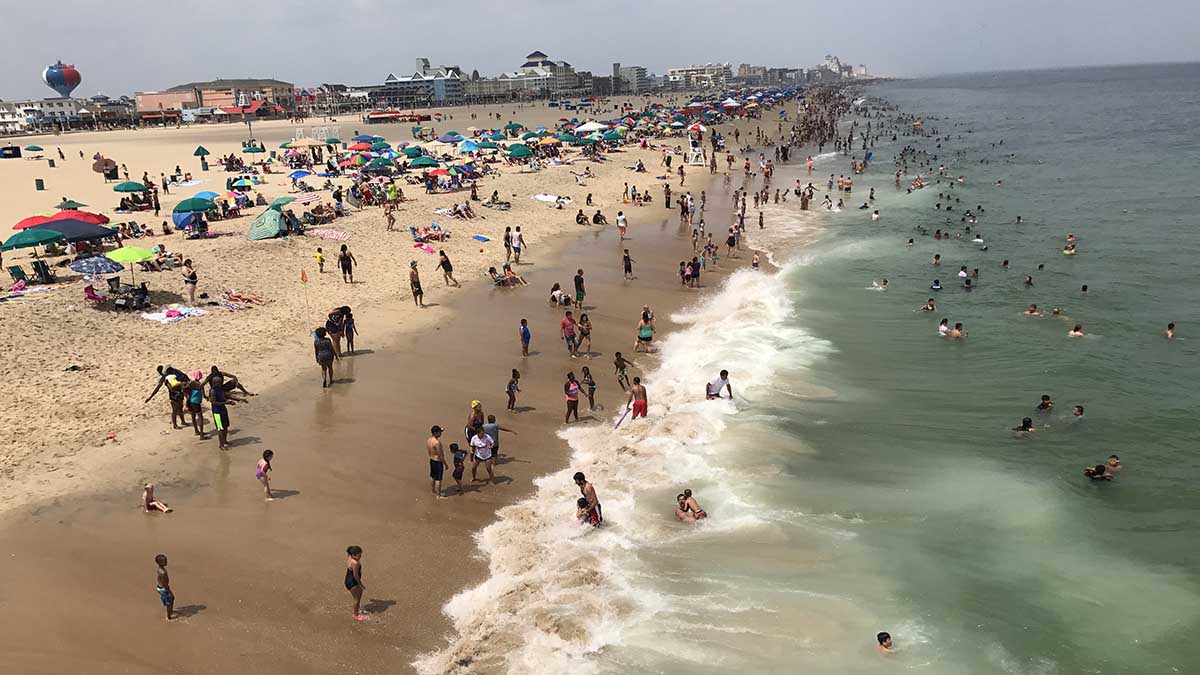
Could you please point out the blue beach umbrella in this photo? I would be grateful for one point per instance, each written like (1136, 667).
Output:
(182, 220)
(96, 266)
(207, 194)
(363, 139)
(298, 174)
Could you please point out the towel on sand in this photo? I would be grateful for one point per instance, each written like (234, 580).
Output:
(173, 314)
(329, 233)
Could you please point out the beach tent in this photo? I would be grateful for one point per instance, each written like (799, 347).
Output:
(590, 127)
(268, 225)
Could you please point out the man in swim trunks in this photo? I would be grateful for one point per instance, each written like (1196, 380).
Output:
(163, 585)
(217, 400)
(567, 326)
(437, 460)
(580, 293)
(713, 389)
(414, 282)
(589, 493)
(638, 400)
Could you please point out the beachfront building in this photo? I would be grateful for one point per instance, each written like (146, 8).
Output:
(219, 93)
(630, 79)
(707, 76)
(426, 86)
(538, 77)
(12, 119)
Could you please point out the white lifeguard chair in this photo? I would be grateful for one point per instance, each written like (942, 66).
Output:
(695, 156)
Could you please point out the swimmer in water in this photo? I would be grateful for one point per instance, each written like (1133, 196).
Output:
(1171, 331)
(937, 259)
(1083, 289)
(962, 272)
(1046, 405)
(1032, 311)
(1028, 281)
(883, 285)
(1114, 464)
(928, 306)
(1077, 331)
(936, 285)
(1026, 426)
(1004, 264)
(885, 642)
(944, 327)
(1077, 412)
(957, 332)
(967, 285)
(1098, 472)
(910, 242)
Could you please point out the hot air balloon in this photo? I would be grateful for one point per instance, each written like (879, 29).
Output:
(62, 78)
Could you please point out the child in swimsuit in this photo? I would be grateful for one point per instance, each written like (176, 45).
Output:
(459, 464)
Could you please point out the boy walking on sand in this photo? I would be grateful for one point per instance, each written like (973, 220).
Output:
(164, 586)
(627, 260)
(320, 256)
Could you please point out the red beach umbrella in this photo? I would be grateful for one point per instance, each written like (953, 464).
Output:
(357, 147)
(31, 221)
(85, 216)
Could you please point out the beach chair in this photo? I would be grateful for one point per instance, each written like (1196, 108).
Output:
(17, 273)
(114, 285)
(94, 299)
(43, 272)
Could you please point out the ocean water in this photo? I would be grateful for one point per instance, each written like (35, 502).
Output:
(865, 477)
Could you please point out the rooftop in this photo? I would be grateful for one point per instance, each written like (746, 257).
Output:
(241, 83)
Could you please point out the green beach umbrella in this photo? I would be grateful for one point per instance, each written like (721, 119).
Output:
(423, 162)
(412, 152)
(566, 138)
(253, 148)
(284, 145)
(488, 145)
(192, 205)
(34, 236)
(70, 204)
(512, 126)
(129, 254)
(280, 202)
(129, 186)
(333, 141)
(380, 145)
(585, 141)
(611, 136)
(497, 136)
(519, 151)
(381, 162)
(528, 135)
(33, 148)
(201, 151)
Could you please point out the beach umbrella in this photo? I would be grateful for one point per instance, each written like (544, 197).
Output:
(193, 205)
(380, 162)
(566, 138)
(513, 126)
(439, 172)
(129, 254)
(242, 182)
(201, 151)
(182, 220)
(129, 186)
(469, 146)
(283, 146)
(549, 140)
(69, 204)
(73, 230)
(412, 152)
(31, 237)
(96, 266)
(332, 141)
(497, 136)
(280, 202)
(423, 162)
(590, 127)
(488, 145)
(364, 137)
(677, 124)
(519, 151)
(389, 154)
(33, 148)
(380, 145)
(85, 216)
(611, 136)
(254, 148)
(449, 138)
(585, 141)
(207, 194)
(697, 127)
(298, 174)
(360, 146)
(30, 222)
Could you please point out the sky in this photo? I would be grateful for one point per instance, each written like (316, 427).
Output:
(121, 47)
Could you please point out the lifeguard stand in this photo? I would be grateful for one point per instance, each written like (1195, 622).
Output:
(695, 155)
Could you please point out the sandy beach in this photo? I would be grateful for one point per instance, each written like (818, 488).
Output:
(258, 584)
(92, 384)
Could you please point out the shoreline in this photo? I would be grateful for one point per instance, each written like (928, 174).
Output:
(384, 473)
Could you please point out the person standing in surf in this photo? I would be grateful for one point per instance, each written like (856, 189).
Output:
(588, 503)
(353, 580)
(638, 400)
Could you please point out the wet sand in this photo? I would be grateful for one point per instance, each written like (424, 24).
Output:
(259, 585)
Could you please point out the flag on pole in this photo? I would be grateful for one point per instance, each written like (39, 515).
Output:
(303, 277)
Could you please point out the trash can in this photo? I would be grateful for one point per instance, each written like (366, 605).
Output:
(39, 184)
(203, 164)
(51, 163)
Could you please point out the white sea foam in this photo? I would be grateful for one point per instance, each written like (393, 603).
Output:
(558, 593)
